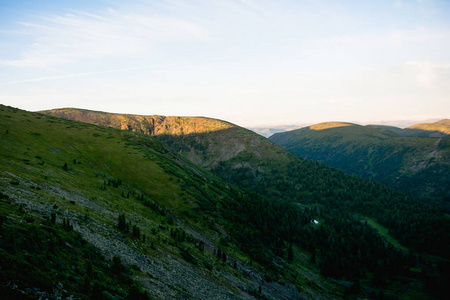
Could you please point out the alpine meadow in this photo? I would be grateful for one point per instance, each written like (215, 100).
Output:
(184, 207)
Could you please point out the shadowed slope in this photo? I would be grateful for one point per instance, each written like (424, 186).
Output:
(295, 191)
(205, 141)
(62, 175)
(438, 129)
(248, 160)
(394, 156)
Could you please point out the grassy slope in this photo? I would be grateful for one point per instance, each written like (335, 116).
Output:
(444, 122)
(414, 165)
(384, 232)
(34, 150)
(152, 125)
(253, 162)
(206, 142)
(437, 129)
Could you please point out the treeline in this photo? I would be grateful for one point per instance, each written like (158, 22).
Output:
(419, 227)
(341, 245)
(295, 193)
(53, 257)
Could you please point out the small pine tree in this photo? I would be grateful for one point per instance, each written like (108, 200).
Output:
(136, 231)
(290, 253)
(53, 217)
(89, 270)
(219, 254)
(66, 225)
(86, 285)
(313, 257)
(116, 266)
(97, 291)
(122, 222)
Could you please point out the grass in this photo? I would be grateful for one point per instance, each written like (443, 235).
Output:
(64, 166)
(69, 163)
(384, 232)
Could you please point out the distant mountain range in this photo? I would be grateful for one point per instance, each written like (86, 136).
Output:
(268, 131)
(415, 160)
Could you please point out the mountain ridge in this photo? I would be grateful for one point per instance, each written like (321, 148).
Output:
(255, 163)
(405, 159)
(70, 176)
(254, 210)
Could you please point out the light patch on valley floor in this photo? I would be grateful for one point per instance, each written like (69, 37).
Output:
(384, 232)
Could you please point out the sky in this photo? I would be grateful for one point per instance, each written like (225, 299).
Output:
(249, 62)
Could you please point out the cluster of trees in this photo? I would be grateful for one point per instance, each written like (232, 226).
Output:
(125, 226)
(418, 226)
(342, 245)
(298, 191)
(36, 254)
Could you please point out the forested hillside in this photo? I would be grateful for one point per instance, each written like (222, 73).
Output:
(296, 216)
(409, 160)
(96, 212)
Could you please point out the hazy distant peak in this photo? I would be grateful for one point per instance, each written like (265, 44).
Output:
(329, 125)
(444, 122)
(438, 129)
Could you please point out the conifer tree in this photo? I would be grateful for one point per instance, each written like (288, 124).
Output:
(290, 253)
(122, 222)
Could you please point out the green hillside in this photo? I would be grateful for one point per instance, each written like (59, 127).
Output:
(396, 157)
(437, 129)
(98, 212)
(289, 227)
(252, 162)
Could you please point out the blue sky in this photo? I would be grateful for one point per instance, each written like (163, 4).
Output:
(246, 61)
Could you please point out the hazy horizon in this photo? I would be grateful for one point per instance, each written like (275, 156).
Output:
(252, 63)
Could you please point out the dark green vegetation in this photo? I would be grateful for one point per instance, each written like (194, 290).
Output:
(75, 195)
(270, 220)
(415, 160)
(36, 255)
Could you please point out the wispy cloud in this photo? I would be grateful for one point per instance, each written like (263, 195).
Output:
(71, 75)
(217, 56)
(64, 38)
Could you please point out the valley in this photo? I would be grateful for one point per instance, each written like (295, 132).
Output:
(198, 208)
